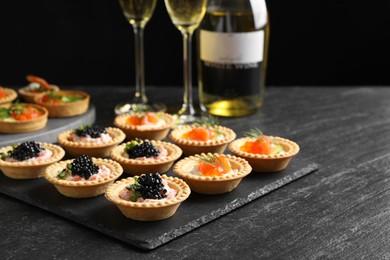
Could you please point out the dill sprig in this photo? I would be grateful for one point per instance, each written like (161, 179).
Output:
(210, 121)
(208, 159)
(254, 133)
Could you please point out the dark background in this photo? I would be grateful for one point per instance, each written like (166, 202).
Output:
(89, 42)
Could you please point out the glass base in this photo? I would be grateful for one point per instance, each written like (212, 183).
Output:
(128, 108)
(185, 116)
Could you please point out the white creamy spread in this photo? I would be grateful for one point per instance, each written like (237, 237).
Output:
(43, 155)
(104, 138)
(33, 86)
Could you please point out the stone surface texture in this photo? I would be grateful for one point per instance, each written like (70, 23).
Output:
(341, 211)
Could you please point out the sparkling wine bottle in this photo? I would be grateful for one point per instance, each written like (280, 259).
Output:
(232, 47)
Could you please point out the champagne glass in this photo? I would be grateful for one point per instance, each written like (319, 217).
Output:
(186, 15)
(138, 13)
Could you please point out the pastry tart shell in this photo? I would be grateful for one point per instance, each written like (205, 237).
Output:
(82, 189)
(11, 96)
(138, 167)
(67, 109)
(152, 210)
(91, 148)
(144, 132)
(212, 185)
(29, 96)
(192, 147)
(31, 169)
(15, 127)
(267, 163)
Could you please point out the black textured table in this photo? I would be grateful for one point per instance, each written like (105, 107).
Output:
(339, 211)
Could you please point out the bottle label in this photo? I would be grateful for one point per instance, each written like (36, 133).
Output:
(231, 63)
(232, 48)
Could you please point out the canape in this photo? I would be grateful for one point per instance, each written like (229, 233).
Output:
(7, 95)
(83, 177)
(144, 156)
(212, 173)
(36, 86)
(150, 125)
(91, 140)
(265, 153)
(149, 197)
(28, 160)
(64, 103)
(22, 118)
(196, 139)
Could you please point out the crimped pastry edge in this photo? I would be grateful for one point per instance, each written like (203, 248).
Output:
(120, 121)
(51, 173)
(58, 154)
(116, 134)
(244, 171)
(177, 152)
(176, 136)
(112, 193)
(294, 148)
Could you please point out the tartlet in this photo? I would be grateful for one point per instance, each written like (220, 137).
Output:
(266, 162)
(191, 147)
(212, 184)
(151, 210)
(138, 167)
(83, 188)
(8, 95)
(11, 121)
(30, 169)
(64, 103)
(36, 87)
(150, 131)
(90, 147)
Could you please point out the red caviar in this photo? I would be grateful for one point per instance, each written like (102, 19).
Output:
(2, 93)
(149, 118)
(51, 100)
(216, 166)
(200, 134)
(27, 113)
(263, 145)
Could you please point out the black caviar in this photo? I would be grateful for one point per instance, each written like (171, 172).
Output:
(144, 149)
(26, 151)
(148, 186)
(84, 167)
(93, 131)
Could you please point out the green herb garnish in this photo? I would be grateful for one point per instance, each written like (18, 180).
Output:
(4, 113)
(65, 172)
(68, 99)
(64, 98)
(254, 133)
(135, 195)
(132, 144)
(210, 121)
(208, 159)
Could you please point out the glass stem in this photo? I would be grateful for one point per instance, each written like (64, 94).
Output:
(140, 95)
(187, 108)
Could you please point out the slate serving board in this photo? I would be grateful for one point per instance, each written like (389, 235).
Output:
(99, 214)
(53, 128)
